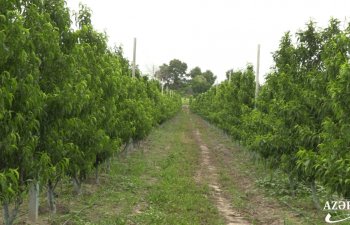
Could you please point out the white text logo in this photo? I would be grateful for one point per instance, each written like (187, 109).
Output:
(336, 206)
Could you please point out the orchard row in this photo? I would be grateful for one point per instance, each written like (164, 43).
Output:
(300, 121)
(67, 101)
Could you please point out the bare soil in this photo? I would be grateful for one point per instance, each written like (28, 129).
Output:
(208, 173)
(220, 157)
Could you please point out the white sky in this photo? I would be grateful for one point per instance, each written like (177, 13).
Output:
(213, 34)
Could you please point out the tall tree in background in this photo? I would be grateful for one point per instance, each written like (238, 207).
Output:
(201, 82)
(174, 75)
(195, 72)
(209, 76)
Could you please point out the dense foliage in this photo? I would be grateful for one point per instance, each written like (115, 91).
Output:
(301, 120)
(67, 101)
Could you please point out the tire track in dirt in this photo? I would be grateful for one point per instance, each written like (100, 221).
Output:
(207, 173)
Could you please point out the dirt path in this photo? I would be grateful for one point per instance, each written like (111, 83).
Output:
(207, 173)
(231, 175)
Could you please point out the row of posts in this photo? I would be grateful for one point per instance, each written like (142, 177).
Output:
(167, 91)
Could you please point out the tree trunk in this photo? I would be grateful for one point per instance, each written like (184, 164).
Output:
(51, 197)
(314, 195)
(292, 185)
(108, 166)
(97, 179)
(347, 195)
(33, 201)
(129, 146)
(271, 173)
(6, 213)
(9, 217)
(77, 186)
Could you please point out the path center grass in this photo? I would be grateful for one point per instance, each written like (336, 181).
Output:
(153, 185)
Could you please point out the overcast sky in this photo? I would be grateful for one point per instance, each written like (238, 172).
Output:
(213, 34)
